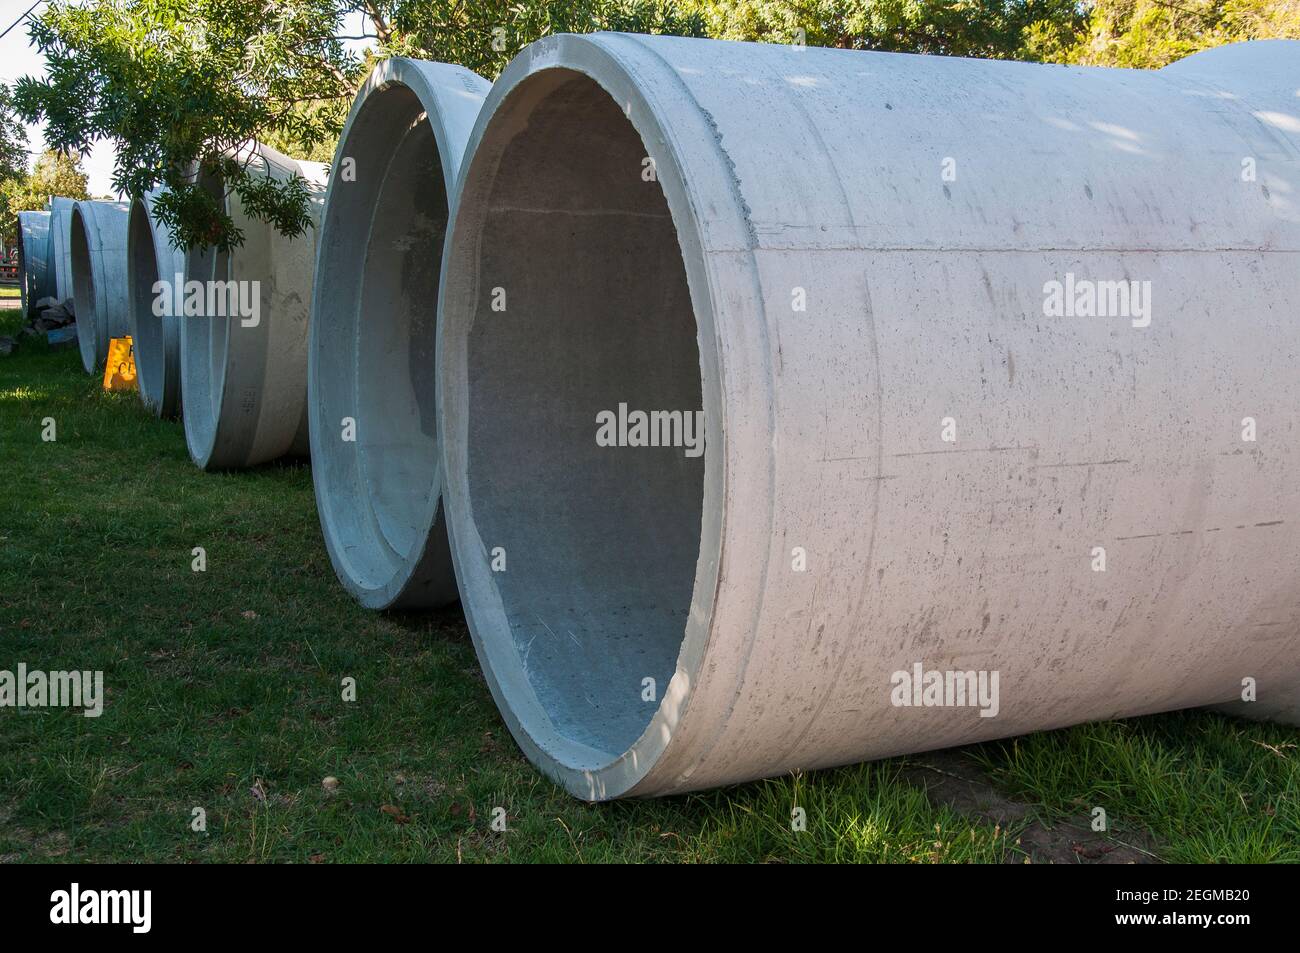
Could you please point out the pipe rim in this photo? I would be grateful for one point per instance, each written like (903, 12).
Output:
(60, 280)
(28, 221)
(376, 570)
(203, 355)
(635, 78)
(22, 262)
(152, 336)
(87, 294)
(22, 266)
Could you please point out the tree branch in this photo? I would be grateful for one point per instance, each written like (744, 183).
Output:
(383, 31)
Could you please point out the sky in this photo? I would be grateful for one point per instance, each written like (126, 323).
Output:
(19, 58)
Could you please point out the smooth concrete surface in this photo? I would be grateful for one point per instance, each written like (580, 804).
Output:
(60, 210)
(846, 261)
(97, 248)
(374, 440)
(33, 257)
(244, 378)
(1271, 85)
(152, 262)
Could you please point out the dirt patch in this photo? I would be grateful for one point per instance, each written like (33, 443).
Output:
(950, 778)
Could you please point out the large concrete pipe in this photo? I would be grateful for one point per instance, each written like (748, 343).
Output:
(244, 361)
(60, 210)
(939, 502)
(154, 269)
(374, 443)
(33, 257)
(98, 254)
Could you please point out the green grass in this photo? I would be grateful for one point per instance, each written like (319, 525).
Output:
(1210, 788)
(223, 692)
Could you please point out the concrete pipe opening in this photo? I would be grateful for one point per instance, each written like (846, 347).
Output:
(155, 336)
(244, 347)
(90, 330)
(60, 266)
(33, 257)
(921, 468)
(97, 249)
(374, 439)
(579, 565)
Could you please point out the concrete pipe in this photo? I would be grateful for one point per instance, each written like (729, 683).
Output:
(153, 270)
(996, 363)
(374, 443)
(60, 210)
(33, 256)
(98, 254)
(244, 360)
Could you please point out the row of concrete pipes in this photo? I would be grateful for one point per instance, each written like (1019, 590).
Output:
(772, 408)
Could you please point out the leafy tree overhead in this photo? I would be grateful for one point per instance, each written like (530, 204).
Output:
(175, 83)
(13, 138)
(185, 84)
(1149, 34)
(54, 173)
(486, 35)
(997, 29)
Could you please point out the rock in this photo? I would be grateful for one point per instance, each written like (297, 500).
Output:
(7, 345)
(56, 316)
(330, 784)
(62, 337)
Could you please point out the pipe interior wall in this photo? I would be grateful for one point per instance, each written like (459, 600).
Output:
(154, 270)
(374, 440)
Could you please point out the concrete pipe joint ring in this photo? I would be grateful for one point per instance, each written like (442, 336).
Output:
(153, 269)
(60, 265)
(374, 443)
(768, 236)
(97, 247)
(244, 359)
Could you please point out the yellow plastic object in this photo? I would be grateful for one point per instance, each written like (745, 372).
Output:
(119, 371)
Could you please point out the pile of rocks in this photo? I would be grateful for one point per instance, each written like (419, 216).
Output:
(51, 318)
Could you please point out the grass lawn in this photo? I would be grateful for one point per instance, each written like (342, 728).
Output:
(223, 693)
